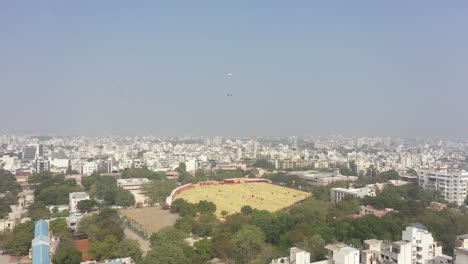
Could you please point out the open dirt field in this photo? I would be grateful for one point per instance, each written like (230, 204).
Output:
(152, 219)
(262, 196)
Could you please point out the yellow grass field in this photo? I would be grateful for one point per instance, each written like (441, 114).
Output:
(262, 196)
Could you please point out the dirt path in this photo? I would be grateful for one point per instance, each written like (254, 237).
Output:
(144, 244)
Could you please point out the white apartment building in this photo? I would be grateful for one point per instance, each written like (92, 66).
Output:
(296, 255)
(337, 194)
(342, 253)
(451, 184)
(88, 168)
(59, 165)
(417, 247)
(191, 165)
(386, 252)
(338, 253)
(75, 197)
(423, 247)
(461, 255)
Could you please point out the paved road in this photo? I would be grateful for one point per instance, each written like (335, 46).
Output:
(5, 259)
(144, 244)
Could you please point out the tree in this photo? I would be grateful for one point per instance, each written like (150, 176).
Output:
(159, 190)
(105, 249)
(110, 247)
(67, 254)
(204, 249)
(131, 248)
(205, 224)
(59, 228)
(85, 205)
(167, 235)
(99, 226)
(143, 173)
(182, 168)
(20, 242)
(347, 172)
(264, 164)
(8, 182)
(38, 210)
(247, 243)
(224, 213)
(315, 245)
(206, 207)
(166, 254)
(124, 198)
(185, 224)
(5, 202)
(247, 210)
(183, 207)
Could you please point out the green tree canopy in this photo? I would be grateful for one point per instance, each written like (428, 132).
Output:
(59, 228)
(8, 182)
(166, 254)
(38, 210)
(167, 235)
(206, 207)
(67, 254)
(85, 205)
(124, 198)
(248, 242)
(20, 242)
(264, 164)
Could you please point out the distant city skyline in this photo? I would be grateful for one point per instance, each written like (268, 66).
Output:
(153, 68)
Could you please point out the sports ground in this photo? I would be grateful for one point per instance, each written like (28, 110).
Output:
(232, 197)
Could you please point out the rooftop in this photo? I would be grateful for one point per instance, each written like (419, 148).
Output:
(418, 226)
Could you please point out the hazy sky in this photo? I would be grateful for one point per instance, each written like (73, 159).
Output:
(299, 67)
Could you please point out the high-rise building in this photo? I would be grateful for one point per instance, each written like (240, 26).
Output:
(423, 246)
(29, 152)
(41, 165)
(451, 184)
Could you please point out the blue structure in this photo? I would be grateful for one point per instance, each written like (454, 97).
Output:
(41, 229)
(41, 243)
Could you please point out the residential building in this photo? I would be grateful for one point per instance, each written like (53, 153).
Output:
(296, 256)
(417, 247)
(462, 241)
(172, 175)
(285, 164)
(437, 206)
(371, 210)
(191, 165)
(59, 165)
(325, 178)
(88, 168)
(6, 225)
(76, 197)
(396, 252)
(342, 253)
(423, 246)
(451, 184)
(460, 255)
(337, 194)
(41, 165)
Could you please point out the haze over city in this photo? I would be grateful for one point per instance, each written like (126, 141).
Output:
(117, 67)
